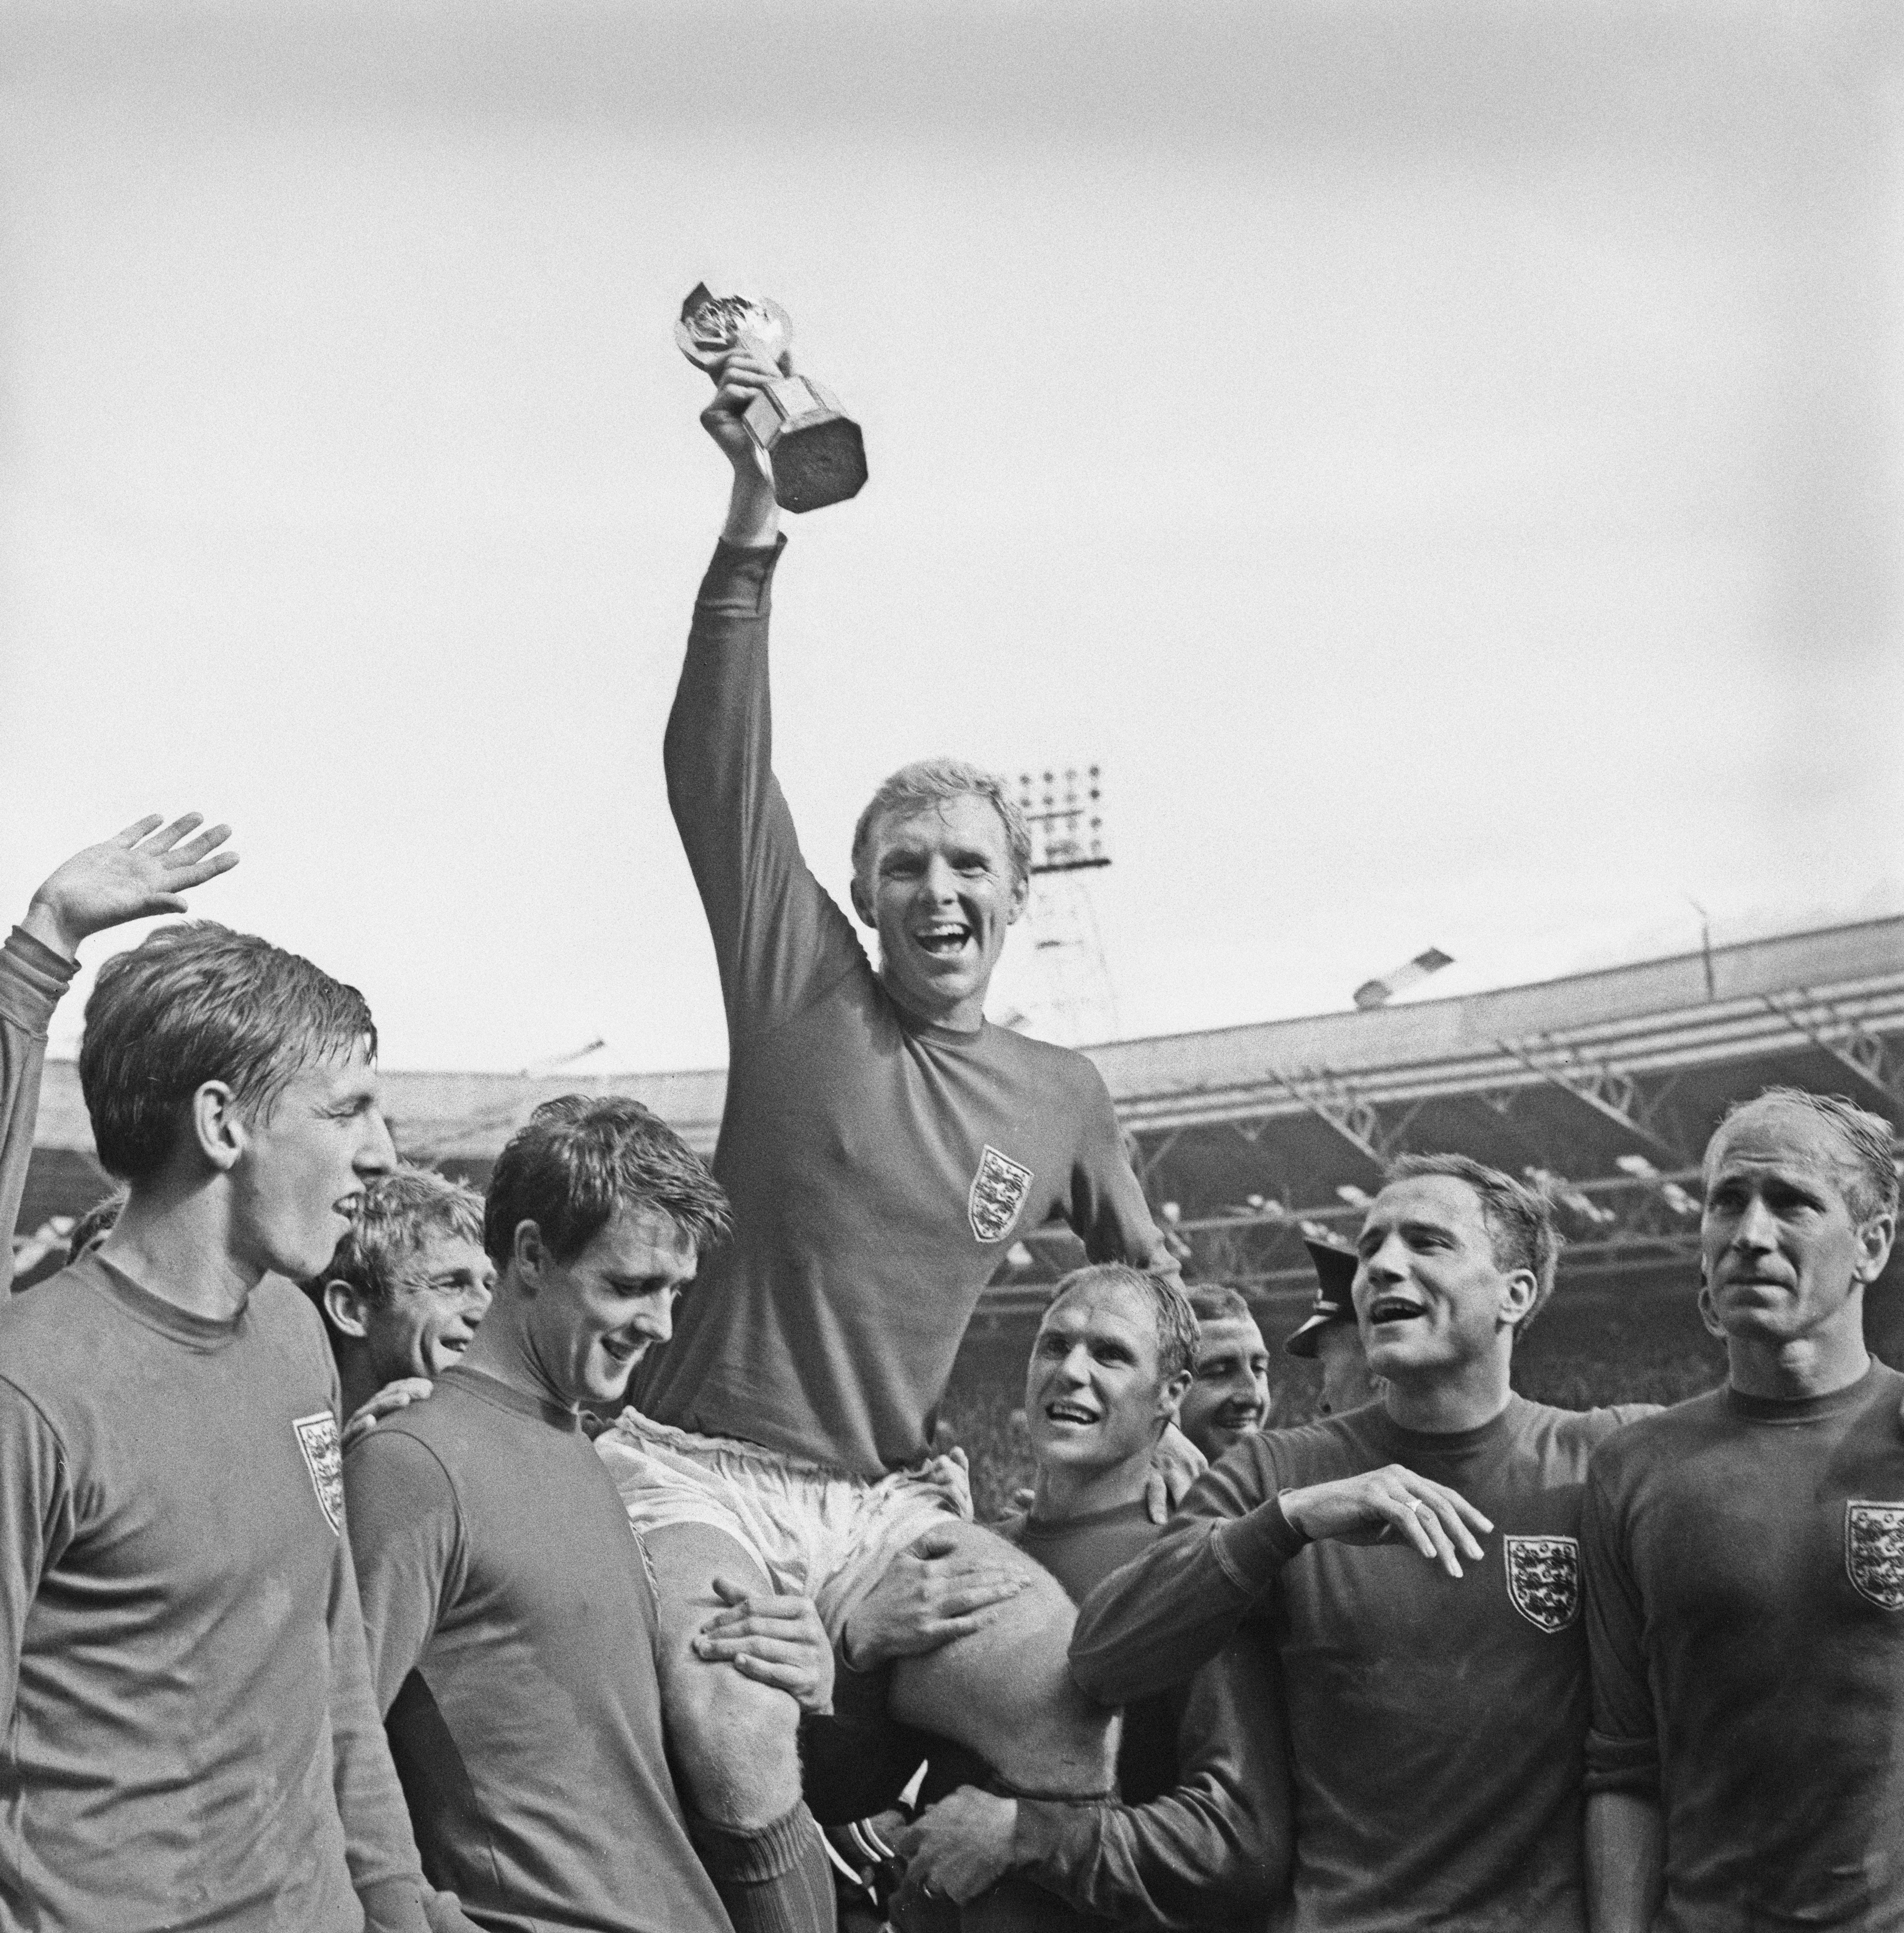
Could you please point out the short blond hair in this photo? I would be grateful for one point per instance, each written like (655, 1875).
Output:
(929, 783)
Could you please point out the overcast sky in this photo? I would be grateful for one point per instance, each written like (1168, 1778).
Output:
(1444, 463)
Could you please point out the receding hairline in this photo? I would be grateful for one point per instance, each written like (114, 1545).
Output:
(1847, 1159)
(1146, 1305)
(1471, 1189)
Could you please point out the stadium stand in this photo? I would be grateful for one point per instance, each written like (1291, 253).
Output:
(1600, 1087)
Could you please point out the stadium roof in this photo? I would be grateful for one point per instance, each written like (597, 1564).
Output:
(1601, 1086)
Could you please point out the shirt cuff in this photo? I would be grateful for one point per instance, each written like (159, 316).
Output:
(1054, 1838)
(1622, 1765)
(1251, 1550)
(740, 579)
(32, 978)
(859, 1695)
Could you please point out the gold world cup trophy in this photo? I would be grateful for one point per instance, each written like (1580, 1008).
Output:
(815, 451)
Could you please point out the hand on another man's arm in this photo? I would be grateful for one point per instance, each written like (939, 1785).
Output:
(927, 1596)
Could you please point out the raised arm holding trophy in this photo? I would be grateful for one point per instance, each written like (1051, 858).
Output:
(814, 451)
(881, 1139)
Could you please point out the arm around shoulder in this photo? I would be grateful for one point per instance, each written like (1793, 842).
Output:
(1152, 1623)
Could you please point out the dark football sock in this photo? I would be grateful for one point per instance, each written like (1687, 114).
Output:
(774, 1879)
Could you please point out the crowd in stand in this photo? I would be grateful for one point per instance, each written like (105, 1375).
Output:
(583, 1554)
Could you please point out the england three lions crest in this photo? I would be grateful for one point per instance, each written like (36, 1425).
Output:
(997, 1195)
(1543, 1579)
(1874, 1553)
(317, 1437)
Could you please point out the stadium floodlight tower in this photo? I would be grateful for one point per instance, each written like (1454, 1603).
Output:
(1069, 998)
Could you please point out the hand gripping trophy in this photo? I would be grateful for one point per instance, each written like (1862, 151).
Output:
(817, 454)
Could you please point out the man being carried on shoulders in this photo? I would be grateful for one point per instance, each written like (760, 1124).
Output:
(1437, 1714)
(881, 1142)
(1745, 1566)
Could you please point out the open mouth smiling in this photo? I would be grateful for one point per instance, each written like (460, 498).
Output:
(1386, 1309)
(1062, 1411)
(943, 939)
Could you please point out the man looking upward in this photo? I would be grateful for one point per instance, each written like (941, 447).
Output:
(880, 1141)
(1198, 1837)
(1437, 1716)
(1745, 1566)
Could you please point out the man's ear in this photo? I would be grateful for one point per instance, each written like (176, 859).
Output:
(343, 1308)
(219, 1129)
(1021, 894)
(528, 1255)
(1170, 1397)
(863, 903)
(1874, 1240)
(1519, 1288)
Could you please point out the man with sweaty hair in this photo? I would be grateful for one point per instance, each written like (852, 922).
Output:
(881, 1142)
(145, 869)
(1745, 1566)
(191, 1740)
(510, 1616)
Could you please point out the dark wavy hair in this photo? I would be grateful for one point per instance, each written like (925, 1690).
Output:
(581, 1157)
(195, 1002)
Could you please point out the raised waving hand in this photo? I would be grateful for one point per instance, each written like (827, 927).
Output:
(145, 869)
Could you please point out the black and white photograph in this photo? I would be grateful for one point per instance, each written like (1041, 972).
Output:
(952, 976)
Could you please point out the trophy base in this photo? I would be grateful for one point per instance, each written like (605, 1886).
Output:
(818, 455)
(818, 464)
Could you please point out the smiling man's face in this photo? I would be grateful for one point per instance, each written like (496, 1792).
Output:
(1781, 1250)
(431, 1315)
(307, 1161)
(939, 886)
(1429, 1294)
(1229, 1397)
(1094, 1396)
(592, 1318)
